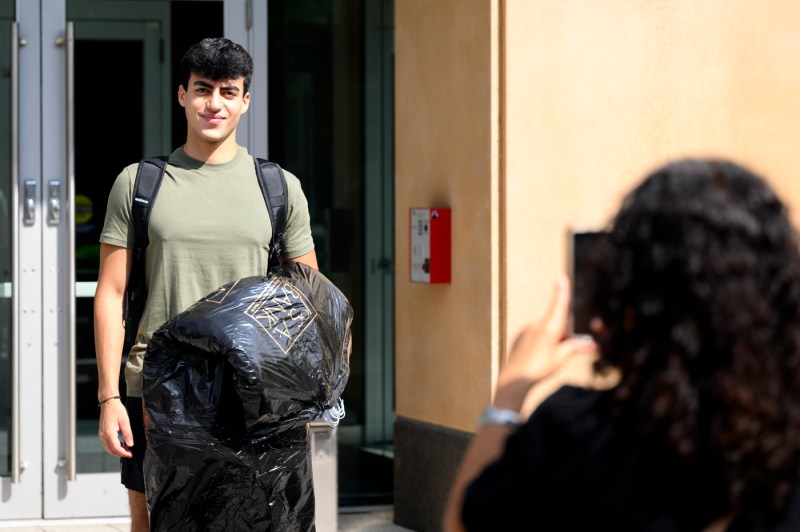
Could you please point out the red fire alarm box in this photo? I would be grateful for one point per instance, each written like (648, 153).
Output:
(430, 245)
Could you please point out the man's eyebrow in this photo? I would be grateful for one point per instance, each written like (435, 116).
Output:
(207, 85)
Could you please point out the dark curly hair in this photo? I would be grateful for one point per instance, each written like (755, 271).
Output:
(217, 58)
(698, 289)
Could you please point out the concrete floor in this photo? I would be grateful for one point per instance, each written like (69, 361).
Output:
(380, 521)
(368, 520)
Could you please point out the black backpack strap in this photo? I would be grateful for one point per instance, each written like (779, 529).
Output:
(145, 188)
(276, 196)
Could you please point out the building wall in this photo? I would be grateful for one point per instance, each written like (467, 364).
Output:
(446, 156)
(530, 116)
(599, 93)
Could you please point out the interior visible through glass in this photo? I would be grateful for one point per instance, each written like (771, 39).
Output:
(319, 121)
(103, 149)
(6, 19)
(98, 159)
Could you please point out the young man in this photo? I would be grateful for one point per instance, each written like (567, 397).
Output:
(209, 225)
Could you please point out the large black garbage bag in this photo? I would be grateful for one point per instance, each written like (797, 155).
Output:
(229, 387)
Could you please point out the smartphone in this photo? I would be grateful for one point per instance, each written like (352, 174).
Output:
(582, 249)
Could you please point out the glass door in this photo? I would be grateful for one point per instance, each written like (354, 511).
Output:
(109, 81)
(86, 88)
(103, 98)
(331, 118)
(20, 261)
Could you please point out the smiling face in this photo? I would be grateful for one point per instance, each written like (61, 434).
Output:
(213, 109)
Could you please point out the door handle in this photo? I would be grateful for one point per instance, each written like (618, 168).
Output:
(54, 202)
(72, 442)
(29, 202)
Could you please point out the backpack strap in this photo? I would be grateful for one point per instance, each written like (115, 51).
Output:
(276, 196)
(145, 188)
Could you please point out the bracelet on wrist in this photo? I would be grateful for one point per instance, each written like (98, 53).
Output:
(500, 416)
(107, 399)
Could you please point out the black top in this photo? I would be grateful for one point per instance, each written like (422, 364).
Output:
(571, 467)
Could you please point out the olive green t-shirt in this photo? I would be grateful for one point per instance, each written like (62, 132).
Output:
(209, 225)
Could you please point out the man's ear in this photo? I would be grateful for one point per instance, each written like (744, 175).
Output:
(246, 102)
(181, 95)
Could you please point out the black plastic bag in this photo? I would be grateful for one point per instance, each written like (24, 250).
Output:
(229, 387)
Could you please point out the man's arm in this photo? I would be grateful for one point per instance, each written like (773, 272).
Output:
(309, 259)
(109, 333)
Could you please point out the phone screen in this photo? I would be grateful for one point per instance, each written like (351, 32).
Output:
(582, 246)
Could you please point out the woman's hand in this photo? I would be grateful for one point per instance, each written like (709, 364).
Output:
(539, 351)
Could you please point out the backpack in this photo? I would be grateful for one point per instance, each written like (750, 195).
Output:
(145, 189)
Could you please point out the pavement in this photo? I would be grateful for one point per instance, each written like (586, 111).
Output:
(376, 519)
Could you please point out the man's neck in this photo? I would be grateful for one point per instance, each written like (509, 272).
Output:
(211, 152)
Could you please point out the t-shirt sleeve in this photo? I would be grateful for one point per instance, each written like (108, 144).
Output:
(118, 225)
(297, 239)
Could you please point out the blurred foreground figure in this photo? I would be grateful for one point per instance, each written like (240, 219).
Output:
(697, 299)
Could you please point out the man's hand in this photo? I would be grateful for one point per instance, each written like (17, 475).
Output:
(114, 420)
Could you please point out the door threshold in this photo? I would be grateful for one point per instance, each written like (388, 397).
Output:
(49, 523)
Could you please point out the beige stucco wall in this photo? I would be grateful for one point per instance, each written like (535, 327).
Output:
(598, 93)
(446, 156)
(592, 95)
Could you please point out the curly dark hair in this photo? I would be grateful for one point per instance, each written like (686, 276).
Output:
(217, 58)
(698, 289)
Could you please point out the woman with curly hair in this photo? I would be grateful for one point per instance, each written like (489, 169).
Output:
(696, 295)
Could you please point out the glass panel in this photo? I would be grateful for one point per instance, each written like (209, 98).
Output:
(98, 159)
(317, 115)
(6, 18)
(100, 156)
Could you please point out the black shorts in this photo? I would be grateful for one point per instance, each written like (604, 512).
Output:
(133, 468)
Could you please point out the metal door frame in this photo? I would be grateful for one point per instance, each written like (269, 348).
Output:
(20, 493)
